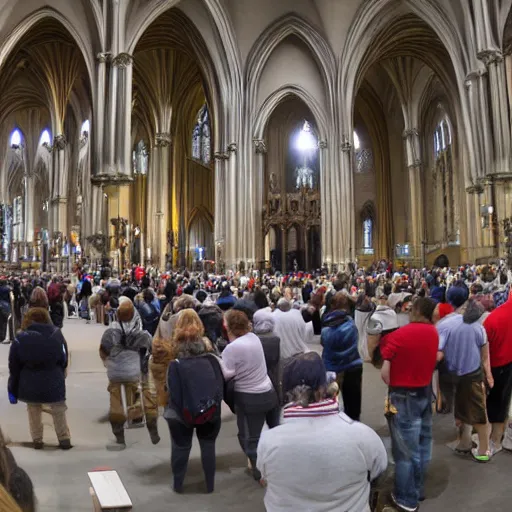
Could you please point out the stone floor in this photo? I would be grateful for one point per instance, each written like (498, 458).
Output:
(60, 478)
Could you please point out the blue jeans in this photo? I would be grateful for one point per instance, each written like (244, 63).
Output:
(413, 423)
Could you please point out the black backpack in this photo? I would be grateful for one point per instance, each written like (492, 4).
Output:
(202, 390)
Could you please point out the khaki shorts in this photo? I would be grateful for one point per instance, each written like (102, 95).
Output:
(470, 401)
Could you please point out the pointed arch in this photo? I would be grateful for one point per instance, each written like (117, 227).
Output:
(288, 25)
(271, 103)
(24, 27)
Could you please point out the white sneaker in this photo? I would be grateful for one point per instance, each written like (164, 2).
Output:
(495, 448)
(507, 439)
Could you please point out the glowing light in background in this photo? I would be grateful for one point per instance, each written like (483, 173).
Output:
(16, 138)
(306, 141)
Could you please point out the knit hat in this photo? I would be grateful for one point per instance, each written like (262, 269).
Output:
(305, 370)
(438, 294)
(263, 321)
(457, 295)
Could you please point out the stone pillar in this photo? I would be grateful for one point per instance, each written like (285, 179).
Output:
(113, 118)
(257, 241)
(59, 200)
(343, 219)
(163, 145)
(101, 125)
(480, 152)
(326, 210)
(29, 186)
(234, 207)
(495, 64)
(221, 195)
(284, 249)
(151, 206)
(413, 159)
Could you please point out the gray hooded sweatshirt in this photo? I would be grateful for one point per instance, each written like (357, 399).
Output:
(127, 346)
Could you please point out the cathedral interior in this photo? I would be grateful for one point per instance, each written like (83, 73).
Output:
(284, 135)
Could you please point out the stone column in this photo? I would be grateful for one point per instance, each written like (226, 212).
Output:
(495, 64)
(101, 125)
(284, 250)
(234, 207)
(414, 165)
(257, 241)
(343, 219)
(29, 186)
(221, 195)
(325, 209)
(163, 145)
(59, 200)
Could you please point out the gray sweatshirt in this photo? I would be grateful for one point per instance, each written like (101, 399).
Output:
(320, 464)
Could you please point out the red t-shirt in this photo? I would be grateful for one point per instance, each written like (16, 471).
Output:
(498, 326)
(412, 350)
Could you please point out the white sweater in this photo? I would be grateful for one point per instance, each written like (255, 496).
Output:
(320, 464)
(291, 329)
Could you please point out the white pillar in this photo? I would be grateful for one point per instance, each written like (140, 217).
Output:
(163, 144)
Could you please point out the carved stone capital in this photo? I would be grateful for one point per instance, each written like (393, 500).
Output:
(233, 147)
(59, 142)
(490, 56)
(123, 60)
(473, 76)
(220, 156)
(48, 147)
(474, 189)
(103, 57)
(415, 165)
(322, 144)
(411, 132)
(260, 146)
(111, 179)
(163, 140)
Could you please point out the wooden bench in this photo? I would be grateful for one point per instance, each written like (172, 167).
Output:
(108, 492)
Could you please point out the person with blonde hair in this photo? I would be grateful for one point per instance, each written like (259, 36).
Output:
(163, 348)
(125, 350)
(38, 360)
(196, 384)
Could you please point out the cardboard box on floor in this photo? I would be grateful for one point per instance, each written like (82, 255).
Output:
(108, 492)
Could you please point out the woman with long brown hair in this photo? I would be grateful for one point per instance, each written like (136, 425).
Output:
(195, 383)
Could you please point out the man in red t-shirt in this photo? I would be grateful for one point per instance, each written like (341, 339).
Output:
(498, 327)
(410, 356)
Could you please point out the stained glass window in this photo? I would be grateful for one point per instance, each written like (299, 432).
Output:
(201, 137)
(368, 234)
(364, 156)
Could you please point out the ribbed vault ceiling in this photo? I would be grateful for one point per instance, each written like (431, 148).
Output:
(42, 71)
(409, 36)
(168, 82)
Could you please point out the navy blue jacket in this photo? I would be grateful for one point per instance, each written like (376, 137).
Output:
(150, 317)
(339, 340)
(37, 362)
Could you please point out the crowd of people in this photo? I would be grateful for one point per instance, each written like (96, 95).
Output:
(179, 344)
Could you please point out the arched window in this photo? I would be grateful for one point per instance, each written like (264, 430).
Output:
(368, 234)
(86, 128)
(45, 139)
(367, 218)
(201, 137)
(16, 139)
(364, 156)
(140, 159)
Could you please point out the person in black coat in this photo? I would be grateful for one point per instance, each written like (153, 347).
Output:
(149, 314)
(38, 360)
(5, 308)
